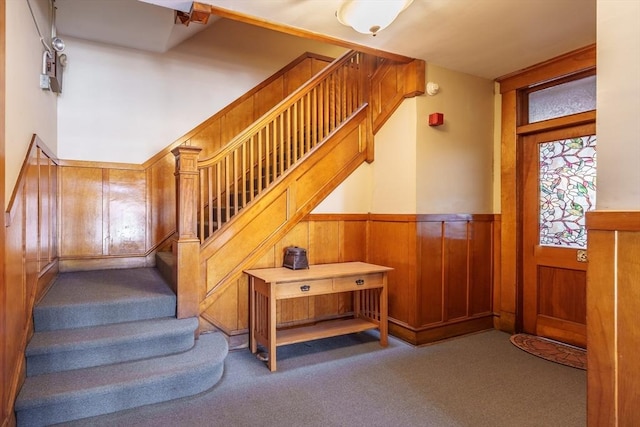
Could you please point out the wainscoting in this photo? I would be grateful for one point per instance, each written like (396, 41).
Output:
(441, 285)
(443, 279)
(31, 258)
(114, 215)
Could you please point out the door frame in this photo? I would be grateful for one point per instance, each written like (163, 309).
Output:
(508, 301)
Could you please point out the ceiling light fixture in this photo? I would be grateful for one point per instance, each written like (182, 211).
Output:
(370, 16)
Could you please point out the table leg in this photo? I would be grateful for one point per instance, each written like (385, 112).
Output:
(252, 316)
(384, 306)
(272, 327)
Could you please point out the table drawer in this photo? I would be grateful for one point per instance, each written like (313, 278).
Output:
(303, 288)
(352, 283)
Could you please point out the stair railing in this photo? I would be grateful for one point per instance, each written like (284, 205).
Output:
(264, 152)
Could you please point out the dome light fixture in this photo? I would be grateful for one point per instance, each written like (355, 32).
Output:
(370, 16)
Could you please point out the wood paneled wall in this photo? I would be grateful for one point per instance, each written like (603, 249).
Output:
(115, 215)
(106, 215)
(613, 331)
(442, 281)
(31, 259)
(441, 285)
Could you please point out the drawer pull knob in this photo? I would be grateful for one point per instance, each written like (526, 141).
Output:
(360, 282)
(305, 288)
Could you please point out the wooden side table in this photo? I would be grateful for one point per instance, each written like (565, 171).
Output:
(367, 282)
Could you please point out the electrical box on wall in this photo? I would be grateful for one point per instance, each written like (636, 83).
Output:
(51, 77)
(436, 119)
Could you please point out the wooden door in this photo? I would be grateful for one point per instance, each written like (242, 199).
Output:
(558, 188)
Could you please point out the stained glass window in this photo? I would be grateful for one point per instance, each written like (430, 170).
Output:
(573, 97)
(567, 190)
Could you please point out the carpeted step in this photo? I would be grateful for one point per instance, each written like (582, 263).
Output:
(64, 396)
(101, 297)
(66, 349)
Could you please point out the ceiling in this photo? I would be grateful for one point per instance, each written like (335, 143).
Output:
(486, 38)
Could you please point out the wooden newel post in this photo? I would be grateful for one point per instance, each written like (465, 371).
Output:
(188, 285)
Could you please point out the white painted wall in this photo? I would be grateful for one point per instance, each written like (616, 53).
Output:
(420, 169)
(124, 105)
(618, 103)
(455, 161)
(388, 185)
(29, 109)
(394, 167)
(352, 196)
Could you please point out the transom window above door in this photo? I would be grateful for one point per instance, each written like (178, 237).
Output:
(553, 100)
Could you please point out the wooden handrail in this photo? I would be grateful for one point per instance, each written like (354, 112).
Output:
(36, 142)
(277, 110)
(263, 152)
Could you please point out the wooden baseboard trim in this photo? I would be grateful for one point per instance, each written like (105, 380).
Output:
(46, 278)
(506, 322)
(107, 263)
(438, 333)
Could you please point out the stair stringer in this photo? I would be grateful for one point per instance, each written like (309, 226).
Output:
(266, 220)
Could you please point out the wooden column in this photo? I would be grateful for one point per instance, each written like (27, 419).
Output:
(188, 286)
(613, 333)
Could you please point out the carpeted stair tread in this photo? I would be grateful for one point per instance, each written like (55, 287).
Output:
(92, 298)
(62, 396)
(65, 349)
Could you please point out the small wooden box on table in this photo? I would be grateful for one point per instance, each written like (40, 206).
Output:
(367, 282)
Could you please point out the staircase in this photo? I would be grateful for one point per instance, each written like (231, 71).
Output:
(109, 340)
(233, 206)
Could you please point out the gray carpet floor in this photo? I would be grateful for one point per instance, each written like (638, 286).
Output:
(476, 380)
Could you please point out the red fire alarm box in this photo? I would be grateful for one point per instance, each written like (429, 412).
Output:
(436, 119)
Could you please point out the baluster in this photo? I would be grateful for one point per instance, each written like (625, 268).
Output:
(252, 160)
(260, 170)
(267, 156)
(227, 189)
(288, 136)
(341, 95)
(274, 149)
(314, 117)
(209, 208)
(201, 203)
(218, 172)
(234, 184)
(307, 123)
(243, 176)
(294, 131)
(325, 108)
(282, 142)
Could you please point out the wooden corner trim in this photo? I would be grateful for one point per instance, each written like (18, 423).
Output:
(613, 220)
(294, 31)
(571, 62)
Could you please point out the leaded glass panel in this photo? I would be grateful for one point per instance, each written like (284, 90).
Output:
(567, 190)
(573, 97)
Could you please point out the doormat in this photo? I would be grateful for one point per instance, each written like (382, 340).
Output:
(553, 351)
